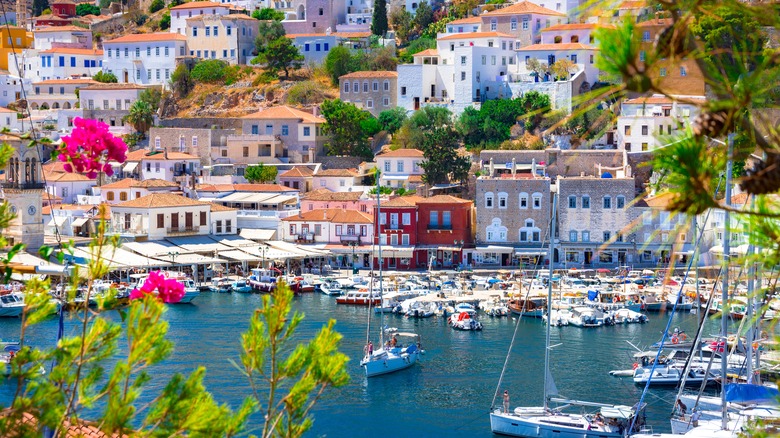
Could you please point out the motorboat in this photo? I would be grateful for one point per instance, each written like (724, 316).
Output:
(11, 304)
(360, 297)
(420, 309)
(464, 321)
(611, 421)
(262, 280)
(651, 302)
(331, 288)
(627, 316)
(241, 286)
(589, 317)
(558, 318)
(220, 285)
(465, 307)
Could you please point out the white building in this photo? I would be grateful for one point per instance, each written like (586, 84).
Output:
(338, 180)
(128, 189)
(62, 63)
(460, 73)
(335, 226)
(401, 168)
(114, 97)
(230, 38)
(160, 164)
(9, 120)
(568, 7)
(647, 123)
(51, 37)
(147, 59)
(160, 215)
(315, 46)
(69, 186)
(180, 13)
(11, 88)
(465, 25)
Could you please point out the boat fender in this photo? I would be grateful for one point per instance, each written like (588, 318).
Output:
(635, 366)
(675, 340)
(683, 336)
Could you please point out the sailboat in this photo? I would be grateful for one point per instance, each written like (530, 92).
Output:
(402, 350)
(546, 421)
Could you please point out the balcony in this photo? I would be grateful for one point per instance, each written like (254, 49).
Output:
(347, 239)
(182, 231)
(439, 227)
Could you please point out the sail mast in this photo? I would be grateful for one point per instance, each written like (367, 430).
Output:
(547, 375)
(379, 253)
(725, 285)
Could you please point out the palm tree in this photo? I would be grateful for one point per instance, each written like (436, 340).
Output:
(141, 116)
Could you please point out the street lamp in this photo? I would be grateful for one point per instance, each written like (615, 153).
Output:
(353, 245)
(173, 256)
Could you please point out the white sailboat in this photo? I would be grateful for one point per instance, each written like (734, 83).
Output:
(402, 350)
(611, 421)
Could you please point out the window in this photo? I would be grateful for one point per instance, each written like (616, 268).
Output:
(646, 36)
(493, 24)
(446, 220)
(607, 202)
(293, 229)
(523, 200)
(405, 240)
(346, 86)
(525, 23)
(647, 218)
(202, 218)
(394, 239)
(365, 86)
(662, 72)
(644, 147)
(586, 202)
(642, 56)
(194, 31)
(621, 202)
(502, 200)
(110, 196)
(245, 151)
(489, 200)
(306, 131)
(683, 72)
(399, 165)
(463, 76)
(369, 103)
(285, 130)
(586, 236)
(208, 31)
(403, 91)
(523, 236)
(513, 24)
(387, 86)
(607, 236)
(386, 101)
(375, 86)
(216, 31)
(644, 129)
(572, 236)
(219, 224)
(122, 196)
(229, 31)
(572, 202)
(160, 220)
(434, 220)
(537, 201)
(406, 218)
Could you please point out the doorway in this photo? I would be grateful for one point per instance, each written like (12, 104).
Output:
(588, 257)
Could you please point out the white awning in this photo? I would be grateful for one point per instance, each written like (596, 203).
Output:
(130, 167)
(395, 251)
(153, 249)
(238, 255)
(257, 234)
(530, 252)
(233, 241)
(199, 244)
(495, 248)
(193, 259)
(304, 251)
(59, 220)
(118, 258)
(78, 222)
(268, 253)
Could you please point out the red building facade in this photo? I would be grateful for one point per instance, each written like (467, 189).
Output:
(444, 228)
(63, 12)
(395, 226)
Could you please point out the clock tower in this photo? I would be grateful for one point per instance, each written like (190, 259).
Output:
(23, 190)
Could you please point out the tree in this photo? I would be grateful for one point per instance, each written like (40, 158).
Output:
(463, 8)
(181, 81)
(156, 5)
(442, 162)
(261, 173)
(267, 31)
(423, 16)
(562, 68)
(281, 54)
(152, 96)
(401, 19)
(83, 9)
(39, 6)
(209, 71)
(105, 77)
(413, 129)
(141, 116)
(165, 21)
(343, 127)
(337, 63)
(392, 119)
(379, 19)
(268, 14)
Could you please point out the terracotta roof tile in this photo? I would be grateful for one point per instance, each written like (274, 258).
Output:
(284, 112)
(297, 172)
(337, 173)
(262, 188)
(578, 26)
(160, 200)
(655, 22)
(219, 207)
(327, 195)
(473, 35)
(427, 52)
(127, 183)
(144, 154)
(443, 199)
(66, 81)
(468, 20)
(524, 7)
(196, 5)
(67, 177)
(402, 153)
(370, 74)
(335, 215)
(215, 187)
(658, 100)
(148, 37)
(61, 29)
(403, 202)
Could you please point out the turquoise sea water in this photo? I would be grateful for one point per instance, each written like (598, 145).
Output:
(448, 393)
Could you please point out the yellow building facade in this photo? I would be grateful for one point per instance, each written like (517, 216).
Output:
(13, 39)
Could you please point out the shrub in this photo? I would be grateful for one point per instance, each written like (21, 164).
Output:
(156, 5)
(105, 77)
(138, 17)
(268, 14)
(210, 70)
(305, 93)
(87, 9)
(165, 21)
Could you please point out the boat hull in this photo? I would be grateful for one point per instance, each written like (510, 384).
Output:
(536, 427)
(358, 301)
(11, 311)
(389, 365)
(189, 296)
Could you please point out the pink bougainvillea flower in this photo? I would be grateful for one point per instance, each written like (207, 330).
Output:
(168, 290)
(90, 148)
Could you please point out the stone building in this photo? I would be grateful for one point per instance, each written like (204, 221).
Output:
(208, 144)
(374, 91)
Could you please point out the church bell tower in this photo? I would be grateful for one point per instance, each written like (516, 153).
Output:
(23, 190)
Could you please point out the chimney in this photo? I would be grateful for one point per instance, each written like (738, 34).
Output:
(491, 166)
(315, 110)
(514, 166)
(533, 167)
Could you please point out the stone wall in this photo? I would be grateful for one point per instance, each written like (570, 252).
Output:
(202, 122)
(112, 25)
(561, 93)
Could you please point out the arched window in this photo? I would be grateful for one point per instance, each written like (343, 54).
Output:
(523, 200)
(558, 39)
(123, 196)
(33, 170)
(110, 196)
(55, 105)
(537, 201)
(575, 39)
(489, 200)
(26, 170)
(66, 105)
(495, 232)
(530, 232)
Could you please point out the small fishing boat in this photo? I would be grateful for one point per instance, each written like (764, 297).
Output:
(464, 321)
(220, 285)
(241, 286)
(558, 318)
(627, 316)
(359, 297)
(11, 304)
(419, 309)
(331, 288)
(528, 308)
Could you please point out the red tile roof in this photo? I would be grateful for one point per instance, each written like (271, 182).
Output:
(196, 5)
(402, 153)
(403, 202)
(148, 37)
(297, 172)
(160, 200)
(327, 195)
(524, 7)
(473, 35)
(468, 20)
(337, 173)
(284, 112)
(443, 199)
(335, 215)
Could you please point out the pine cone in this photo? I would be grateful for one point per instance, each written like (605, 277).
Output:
(673, 41)
(711, 124)
(764, 177)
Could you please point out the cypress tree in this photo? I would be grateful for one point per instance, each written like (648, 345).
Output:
(379, 20)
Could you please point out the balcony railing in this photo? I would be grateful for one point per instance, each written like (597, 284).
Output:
(439, 227)
(182, 230)
(23, 186)
(350, 238)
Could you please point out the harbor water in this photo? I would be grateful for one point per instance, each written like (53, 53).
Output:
(448, 393)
